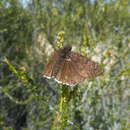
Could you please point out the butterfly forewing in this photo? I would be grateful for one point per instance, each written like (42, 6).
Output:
(50, 66)
(86, 67)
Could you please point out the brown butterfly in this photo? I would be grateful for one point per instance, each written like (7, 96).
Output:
(71, 68)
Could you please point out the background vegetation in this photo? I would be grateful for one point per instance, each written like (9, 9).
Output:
(98, 29)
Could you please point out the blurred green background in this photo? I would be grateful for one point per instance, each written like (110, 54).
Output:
(28, 33)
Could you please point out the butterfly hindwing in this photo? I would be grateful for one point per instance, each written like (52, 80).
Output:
(68, 74)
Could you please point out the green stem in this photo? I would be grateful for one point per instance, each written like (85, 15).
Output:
(63, 116)
(64, 106)
(24, 78)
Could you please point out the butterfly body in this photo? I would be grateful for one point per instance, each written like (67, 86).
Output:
(71, 68)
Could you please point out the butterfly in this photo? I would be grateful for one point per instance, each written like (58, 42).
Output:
(71, 68)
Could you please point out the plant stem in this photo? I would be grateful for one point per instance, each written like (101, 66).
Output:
(64, 106)
(63, 116)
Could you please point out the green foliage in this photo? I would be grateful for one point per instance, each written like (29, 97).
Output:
(97, 29)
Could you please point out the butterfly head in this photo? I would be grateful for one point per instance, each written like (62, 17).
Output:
(65, 50)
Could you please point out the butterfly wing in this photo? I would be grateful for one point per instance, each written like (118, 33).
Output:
(71, 70)
(50, 66)
(86, 67)
(68, 74)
